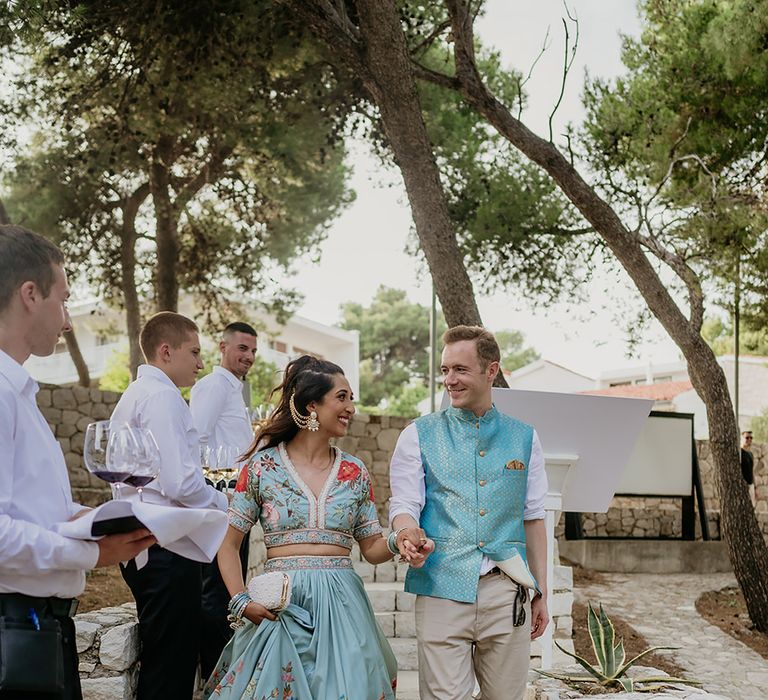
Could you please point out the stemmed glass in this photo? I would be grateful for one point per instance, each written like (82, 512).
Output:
(223, 461)
(123, 455)
(95, 454)
(259, 414)
(147, 465)
(206, 451)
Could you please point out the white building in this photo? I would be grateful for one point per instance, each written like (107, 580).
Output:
(101, 332)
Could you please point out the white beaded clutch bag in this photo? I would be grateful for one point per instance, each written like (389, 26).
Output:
(272, 590)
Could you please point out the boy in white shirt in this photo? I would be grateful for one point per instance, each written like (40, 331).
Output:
(168, 588)
(41, 572)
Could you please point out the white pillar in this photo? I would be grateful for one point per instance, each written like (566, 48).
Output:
(557, 467)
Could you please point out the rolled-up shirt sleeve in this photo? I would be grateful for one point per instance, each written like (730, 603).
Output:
(406, 476)
(536, 490)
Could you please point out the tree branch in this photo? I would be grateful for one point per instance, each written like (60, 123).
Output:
(434, 34)
(567, 63)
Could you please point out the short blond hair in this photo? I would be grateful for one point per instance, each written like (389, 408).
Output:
(165, 327)
(485, 342)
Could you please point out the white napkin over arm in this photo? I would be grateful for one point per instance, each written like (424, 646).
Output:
(194, 533)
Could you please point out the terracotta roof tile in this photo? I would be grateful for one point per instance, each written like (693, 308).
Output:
(664, 391)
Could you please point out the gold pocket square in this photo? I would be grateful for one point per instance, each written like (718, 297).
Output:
(515, 465)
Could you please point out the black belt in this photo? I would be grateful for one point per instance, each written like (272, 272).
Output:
(494, 570)
(18, 605)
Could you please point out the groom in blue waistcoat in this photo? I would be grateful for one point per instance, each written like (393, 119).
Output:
(473, 479)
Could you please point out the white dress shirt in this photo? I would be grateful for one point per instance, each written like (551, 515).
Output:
(406, 474)
(219, 411)
(153, 401)
(34, 495)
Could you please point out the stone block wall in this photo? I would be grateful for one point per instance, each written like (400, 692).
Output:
(108, 647)
(373, 440)
(68, 411)
(633, 516)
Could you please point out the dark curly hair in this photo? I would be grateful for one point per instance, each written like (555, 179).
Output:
(311, 379)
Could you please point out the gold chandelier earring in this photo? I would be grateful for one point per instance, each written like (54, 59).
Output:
(309, 422)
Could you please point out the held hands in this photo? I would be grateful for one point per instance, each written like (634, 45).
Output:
(414, 546)
(123, 547)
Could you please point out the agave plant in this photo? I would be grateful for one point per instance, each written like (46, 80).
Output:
(612, 666)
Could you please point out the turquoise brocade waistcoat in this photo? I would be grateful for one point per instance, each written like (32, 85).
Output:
(475, 476)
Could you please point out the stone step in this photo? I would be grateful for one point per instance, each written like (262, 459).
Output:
(407, 685)
(405, 652)
(389, 597)
(397, 624)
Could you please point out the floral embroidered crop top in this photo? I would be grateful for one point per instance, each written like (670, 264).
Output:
(271, 491)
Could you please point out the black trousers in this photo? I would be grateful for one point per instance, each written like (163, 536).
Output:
(16, 607)
(168, 594)
(215, 629)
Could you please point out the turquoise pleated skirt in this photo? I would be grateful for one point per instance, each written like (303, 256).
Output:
(326, 645)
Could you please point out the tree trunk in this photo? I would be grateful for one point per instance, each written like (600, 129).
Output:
(84, 376)
(128, 275)
(746, 545)
(166, 229)
(391, 84)
(3, 214)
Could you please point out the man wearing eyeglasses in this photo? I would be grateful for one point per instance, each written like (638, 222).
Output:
(748, 464)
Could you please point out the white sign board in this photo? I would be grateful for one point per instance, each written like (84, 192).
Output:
(600, 430)
(660, 464)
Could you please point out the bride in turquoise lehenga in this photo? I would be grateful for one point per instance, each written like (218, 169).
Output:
(313, 502)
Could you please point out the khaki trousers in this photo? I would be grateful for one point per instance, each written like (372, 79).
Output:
(458, 641)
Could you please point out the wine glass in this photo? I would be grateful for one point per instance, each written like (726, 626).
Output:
(96, 454)
(133, 453)
(207, 454)
(225, 463)
(147, 466)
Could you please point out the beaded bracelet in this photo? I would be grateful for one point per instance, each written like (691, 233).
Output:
(392, 541)
(236, 607)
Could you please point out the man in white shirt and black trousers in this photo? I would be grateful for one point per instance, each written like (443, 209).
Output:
(41, 572)
(168, 588)
(221, 418)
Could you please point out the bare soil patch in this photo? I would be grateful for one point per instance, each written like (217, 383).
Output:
(104, 588)
(634, 642)
(727, 610)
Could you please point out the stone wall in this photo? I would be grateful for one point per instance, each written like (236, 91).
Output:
(373, 440)
(68, 411)
(108, 647)
(662, 517)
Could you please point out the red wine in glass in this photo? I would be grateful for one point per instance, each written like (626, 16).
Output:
(113, 477)
(137, 481)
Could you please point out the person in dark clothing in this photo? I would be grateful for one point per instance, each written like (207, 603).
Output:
(748, 464)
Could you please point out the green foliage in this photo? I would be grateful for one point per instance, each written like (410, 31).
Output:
(264, 375)
(515, 226)
(680, 141)
(406, 402)
(610, 657)
(759, 427)
(719, 335)
(394, 342)
(513, 353)
(117, 375)
(219, 115)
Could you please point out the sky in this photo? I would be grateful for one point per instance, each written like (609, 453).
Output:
(365, 247)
